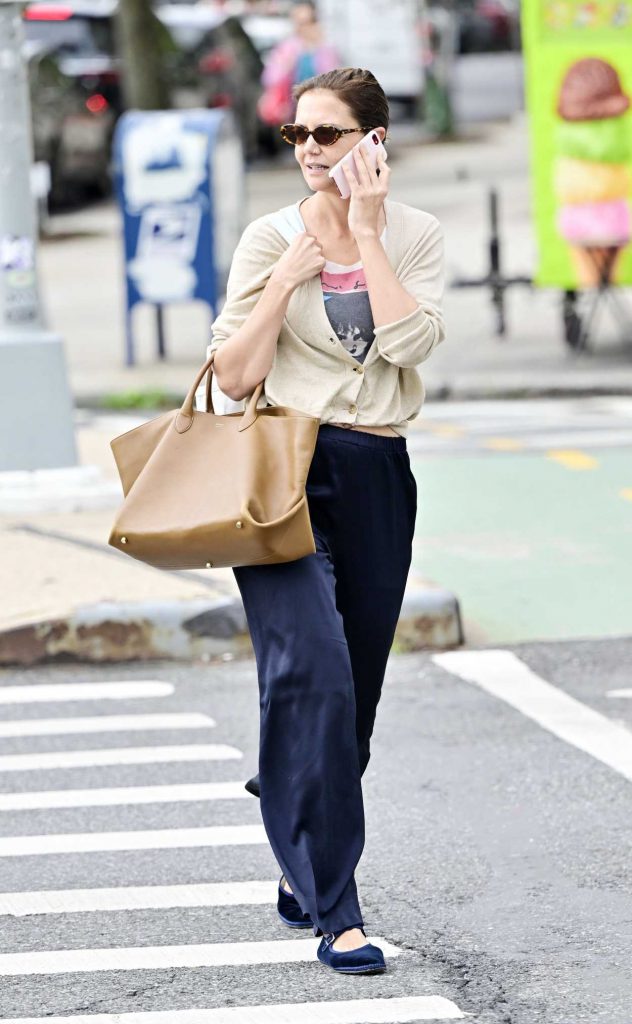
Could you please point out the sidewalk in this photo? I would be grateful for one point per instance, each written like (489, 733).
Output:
(67, 593)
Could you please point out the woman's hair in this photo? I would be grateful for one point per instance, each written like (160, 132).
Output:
(356, 87)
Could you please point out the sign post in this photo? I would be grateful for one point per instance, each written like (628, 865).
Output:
(36, 414)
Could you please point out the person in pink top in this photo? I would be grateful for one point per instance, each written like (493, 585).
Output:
(302, 55)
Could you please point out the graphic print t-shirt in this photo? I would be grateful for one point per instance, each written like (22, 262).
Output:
(347, 306)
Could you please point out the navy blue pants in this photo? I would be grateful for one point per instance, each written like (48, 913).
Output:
(322, 628)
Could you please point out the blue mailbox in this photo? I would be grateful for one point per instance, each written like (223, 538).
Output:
(180, 184)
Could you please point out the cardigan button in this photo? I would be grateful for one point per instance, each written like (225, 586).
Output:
(353, 408)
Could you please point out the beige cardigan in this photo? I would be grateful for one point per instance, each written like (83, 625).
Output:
(312, 371)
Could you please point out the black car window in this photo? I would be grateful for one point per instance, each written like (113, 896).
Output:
(76, 37)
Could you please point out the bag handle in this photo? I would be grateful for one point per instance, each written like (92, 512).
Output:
(184, 419)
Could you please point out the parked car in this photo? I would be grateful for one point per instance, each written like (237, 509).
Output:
(487, 26)
(72, 128)
(75, 93)
(217, 64)
(214, 63)
(81, 36)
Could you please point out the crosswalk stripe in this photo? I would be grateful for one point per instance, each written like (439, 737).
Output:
(145, 897)
(149, 958)
(506, 677)
(147, 839)
(53, 692)
(116, 756)
(123, 796)
(403, 1010)
(103, 723)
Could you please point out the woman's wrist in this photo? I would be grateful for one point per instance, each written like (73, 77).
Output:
(280, 285)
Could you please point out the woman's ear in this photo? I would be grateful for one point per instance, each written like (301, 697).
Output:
(382, 133)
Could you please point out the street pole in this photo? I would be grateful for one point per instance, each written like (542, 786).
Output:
(36, 410)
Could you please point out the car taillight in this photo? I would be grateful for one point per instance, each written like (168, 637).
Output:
(216, 62)
(221, 99)
(97, 103)
(52, 13)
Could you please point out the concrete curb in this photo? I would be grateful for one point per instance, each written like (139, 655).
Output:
(198, 629)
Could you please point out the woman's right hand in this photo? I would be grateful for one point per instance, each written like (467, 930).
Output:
(301, 261)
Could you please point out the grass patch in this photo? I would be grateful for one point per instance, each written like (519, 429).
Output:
(139, 400)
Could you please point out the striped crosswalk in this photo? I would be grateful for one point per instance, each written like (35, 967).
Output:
(355, 1011)
(54, 692)
(151, 958)
(40, 957)
(123, 795)
(103, 723)
(146, 897)
(116, 756)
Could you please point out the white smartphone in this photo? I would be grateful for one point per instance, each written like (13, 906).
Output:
(372, 146)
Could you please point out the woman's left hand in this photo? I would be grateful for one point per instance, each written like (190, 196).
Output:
(368, 192)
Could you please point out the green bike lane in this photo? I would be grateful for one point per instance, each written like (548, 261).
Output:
(533, 549)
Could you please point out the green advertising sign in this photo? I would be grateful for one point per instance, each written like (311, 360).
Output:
(578, 58)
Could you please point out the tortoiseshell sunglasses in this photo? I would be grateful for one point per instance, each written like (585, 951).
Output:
(323, 135)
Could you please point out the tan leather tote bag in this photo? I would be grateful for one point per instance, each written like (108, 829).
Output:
(204, 490)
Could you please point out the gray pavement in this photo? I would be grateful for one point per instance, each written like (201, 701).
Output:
(496, 857)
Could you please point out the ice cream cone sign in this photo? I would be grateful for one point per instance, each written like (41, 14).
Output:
(592, 179)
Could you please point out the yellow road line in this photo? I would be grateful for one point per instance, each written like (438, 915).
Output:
(572, 459)
(446, 430)
(503, 444)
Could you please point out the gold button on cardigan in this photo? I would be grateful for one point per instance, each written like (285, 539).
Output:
(311, 367)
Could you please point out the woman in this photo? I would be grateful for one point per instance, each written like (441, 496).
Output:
(303, 54)
(333, 303)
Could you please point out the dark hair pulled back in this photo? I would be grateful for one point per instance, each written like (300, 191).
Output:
(356, 87)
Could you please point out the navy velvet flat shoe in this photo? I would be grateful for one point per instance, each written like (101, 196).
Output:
(290, 911)
(368, 959)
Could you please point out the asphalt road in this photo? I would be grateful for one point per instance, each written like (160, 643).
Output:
(496, 863)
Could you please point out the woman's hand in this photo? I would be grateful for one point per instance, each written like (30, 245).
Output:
(301, 261)
(368, 192)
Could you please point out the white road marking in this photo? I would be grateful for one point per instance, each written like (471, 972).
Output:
(152, 958)
(625, 692)
(123, 796)
(116, 756)
(147, 839)
(504, 675)
(53, 692)
(405, 1010)
(146, 897)
(103, 723)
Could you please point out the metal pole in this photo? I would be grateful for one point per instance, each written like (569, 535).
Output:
(36, 416)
